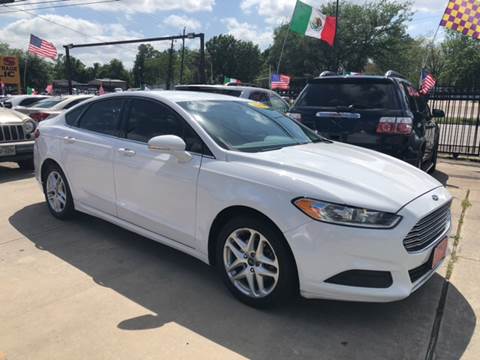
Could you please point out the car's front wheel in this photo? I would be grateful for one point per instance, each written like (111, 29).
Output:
(255, 262)
(57, 193)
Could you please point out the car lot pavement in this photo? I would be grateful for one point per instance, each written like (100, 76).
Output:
(86, 289)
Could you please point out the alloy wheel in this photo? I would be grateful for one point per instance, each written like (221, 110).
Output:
(251, 263)
(56, 191)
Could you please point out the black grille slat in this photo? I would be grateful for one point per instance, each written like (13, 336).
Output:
(11, 133)
(428, 229)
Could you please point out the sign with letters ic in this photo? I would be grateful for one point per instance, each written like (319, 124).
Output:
(9, 70)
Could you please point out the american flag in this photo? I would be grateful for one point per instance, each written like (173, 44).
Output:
(281, 82)
(42, 47)
(428, 82)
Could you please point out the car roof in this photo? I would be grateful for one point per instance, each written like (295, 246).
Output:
(176, 96)
(354, 78)
(225, 87)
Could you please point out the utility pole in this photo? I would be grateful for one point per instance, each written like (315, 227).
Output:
(335, 47)
(170, 66)
(68, 68)
(183, 57)
(202, 59)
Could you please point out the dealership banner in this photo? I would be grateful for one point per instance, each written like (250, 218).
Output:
(10, 70)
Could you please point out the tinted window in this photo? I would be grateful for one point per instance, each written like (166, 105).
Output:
(71, 117)
(30, 101)
(260, 96)
(240, 126)
(103, 117)
(48, 103)
(148, 119)
(278, 104)
(362, 95)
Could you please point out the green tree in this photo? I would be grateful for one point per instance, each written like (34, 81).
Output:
(374, 32)
(233, 58)
(78, 69)
(461, 60)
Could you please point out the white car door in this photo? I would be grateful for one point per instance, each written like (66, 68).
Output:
(154, 190)
(88, 151)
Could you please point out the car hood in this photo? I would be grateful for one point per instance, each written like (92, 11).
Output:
(343, 174)
(8, 116)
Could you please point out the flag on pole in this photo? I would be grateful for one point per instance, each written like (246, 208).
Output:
(42, 48)
(463, 16)
(101, 90)
(428, 82)
(281, 82)
(310, 21)
(229, 80)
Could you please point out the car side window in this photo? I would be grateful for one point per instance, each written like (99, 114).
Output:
(103, 117)
(260, 96)
(147, 119)
(29, 101)
(410, 94)
(278, 104)
(71, 117)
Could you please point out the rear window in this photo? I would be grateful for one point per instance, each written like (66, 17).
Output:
(30, 101)
(48, 103)
(360, 95)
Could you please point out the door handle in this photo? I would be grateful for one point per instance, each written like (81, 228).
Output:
(126, 152)
(69, 139)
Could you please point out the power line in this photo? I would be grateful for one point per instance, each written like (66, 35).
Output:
(56, 23)
(16, 3)
(56, 6)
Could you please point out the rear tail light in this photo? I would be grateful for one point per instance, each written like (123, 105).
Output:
(36, 134)
(39, 116)
(295, 116)
(395, 125)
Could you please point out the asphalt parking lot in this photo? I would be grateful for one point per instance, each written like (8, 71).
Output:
(86, 289)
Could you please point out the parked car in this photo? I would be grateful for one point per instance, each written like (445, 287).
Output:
(16, 138)
(53, 106)
(264, 96)
(383, 113)
(274, 207)
(14, 101)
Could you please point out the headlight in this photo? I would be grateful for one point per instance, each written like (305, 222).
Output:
(346, 215)
(29, 126)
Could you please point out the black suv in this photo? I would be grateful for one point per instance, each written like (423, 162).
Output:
(383, 113)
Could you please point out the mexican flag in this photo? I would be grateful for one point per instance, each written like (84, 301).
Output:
(309, 21)
(228, 80)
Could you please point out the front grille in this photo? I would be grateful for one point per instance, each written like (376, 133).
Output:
(428, 229)
(11, 133)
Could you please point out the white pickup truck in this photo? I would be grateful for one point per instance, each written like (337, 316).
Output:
(17, 138)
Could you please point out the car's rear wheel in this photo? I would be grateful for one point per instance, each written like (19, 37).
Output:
(255, 262)
(26, 164)
(57, 193)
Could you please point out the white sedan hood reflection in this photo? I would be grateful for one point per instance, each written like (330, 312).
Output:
(343, 174)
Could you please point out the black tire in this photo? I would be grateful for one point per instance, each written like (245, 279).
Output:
(26, 164)
(287, 284)
(68, 210)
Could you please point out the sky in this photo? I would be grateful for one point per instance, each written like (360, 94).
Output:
(104, 20)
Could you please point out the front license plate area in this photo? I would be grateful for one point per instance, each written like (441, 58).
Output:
(440, 252)
(7, 150)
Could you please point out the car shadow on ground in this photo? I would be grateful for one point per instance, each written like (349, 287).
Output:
(178, 288)
(12, 173)
(441, 177)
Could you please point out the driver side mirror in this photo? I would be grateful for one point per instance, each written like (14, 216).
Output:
(170, 144)
(436, 113)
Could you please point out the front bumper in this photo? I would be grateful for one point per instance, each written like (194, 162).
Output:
(322, 251)
(23, 151)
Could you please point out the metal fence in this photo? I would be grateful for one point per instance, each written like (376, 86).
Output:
(459, 130)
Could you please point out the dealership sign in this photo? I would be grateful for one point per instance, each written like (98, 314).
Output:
(9, 70)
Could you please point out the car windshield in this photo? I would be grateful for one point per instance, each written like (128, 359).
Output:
(248, 126)
(48, 103)
(358, 95)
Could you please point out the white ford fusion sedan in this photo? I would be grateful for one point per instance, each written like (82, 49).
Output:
(274, 207)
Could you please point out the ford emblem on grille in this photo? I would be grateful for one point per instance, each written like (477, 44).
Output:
(435, 197)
